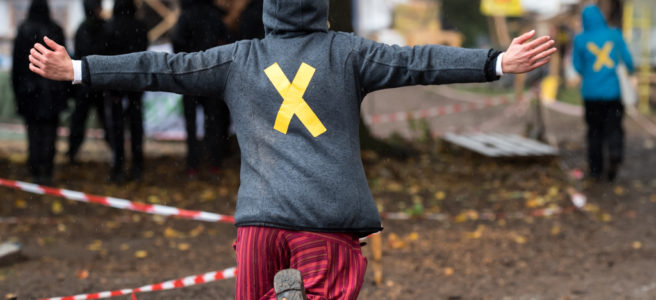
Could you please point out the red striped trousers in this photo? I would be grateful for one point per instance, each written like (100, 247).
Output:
(332, 264)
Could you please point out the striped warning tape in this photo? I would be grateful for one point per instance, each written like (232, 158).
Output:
(167, 285)
(435, 111)
(154, 209)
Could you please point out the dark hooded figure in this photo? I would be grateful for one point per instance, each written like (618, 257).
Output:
(39, 101)
(200, 27)
(250, 21)
(295, 100)
(89, 40)
(125, 34)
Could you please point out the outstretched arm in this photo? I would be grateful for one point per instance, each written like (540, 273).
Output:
(200, 73)
(383, 66)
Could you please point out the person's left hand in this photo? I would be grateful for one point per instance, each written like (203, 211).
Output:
(523, 56)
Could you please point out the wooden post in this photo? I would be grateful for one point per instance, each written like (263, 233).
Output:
(645, 68)
(377, 253)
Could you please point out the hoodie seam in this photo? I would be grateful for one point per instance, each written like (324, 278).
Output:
(411, 69)
(168, 73)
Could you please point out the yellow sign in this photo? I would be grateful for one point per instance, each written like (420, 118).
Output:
(603, 55)
(293, 102)
(508, 8)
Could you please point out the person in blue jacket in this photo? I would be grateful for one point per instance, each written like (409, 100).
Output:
(598, 50)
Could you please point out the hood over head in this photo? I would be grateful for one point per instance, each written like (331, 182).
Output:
(39, 11)
(124, 8)
(185, 4)
(592, 18)
(285, 17)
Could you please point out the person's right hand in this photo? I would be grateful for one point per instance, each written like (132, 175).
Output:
(53, 64)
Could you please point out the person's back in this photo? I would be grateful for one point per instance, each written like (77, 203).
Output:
(124, 32)
(38, 100)
(89, 40)
(597, 52)
(36, 96)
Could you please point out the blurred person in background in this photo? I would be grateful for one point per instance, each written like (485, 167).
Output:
(89, 40)
(245, 17)
(597, 52)
(200, 27)
(39, 100)
(125, 34)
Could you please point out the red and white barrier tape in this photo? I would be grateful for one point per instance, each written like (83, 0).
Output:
(435, 111)
(154, 209)
(167, 285)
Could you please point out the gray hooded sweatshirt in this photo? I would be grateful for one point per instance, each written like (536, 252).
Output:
(295, 98)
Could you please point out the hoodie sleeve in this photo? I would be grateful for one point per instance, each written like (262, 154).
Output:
(382, 66)
(578, 54)
(201, 73)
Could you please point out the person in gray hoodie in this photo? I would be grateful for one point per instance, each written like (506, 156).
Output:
(295, 100)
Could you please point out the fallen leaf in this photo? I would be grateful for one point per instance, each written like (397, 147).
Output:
(605, 217)
(207, 195)
(413, 236)
(394, 241)
(82, 274)
(20, 203)
(197, 231)
(555, 230)
(95, 245)
(448, 271)
(637, 245)
(171, 233)
(478, 233)
(519, 239)
(61, 227)
(440, 195)
(620, 191)
(57, 207)
(184, 246)
(141, 254)
(153, 199)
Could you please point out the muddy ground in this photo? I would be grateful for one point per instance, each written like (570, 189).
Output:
(491, 239)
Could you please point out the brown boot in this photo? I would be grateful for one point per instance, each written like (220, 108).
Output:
(288, 284)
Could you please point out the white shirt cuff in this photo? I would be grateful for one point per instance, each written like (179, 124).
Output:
(499, 68)
(77, 71)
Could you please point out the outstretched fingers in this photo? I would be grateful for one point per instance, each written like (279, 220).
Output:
(52, 44)
(34, 61)
(41, 48)
(543, 54)
(523, 38)
(541, 48)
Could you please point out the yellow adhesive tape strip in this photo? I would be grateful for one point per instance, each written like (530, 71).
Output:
(293, 102)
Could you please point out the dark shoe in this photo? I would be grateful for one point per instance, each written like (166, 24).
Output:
(288, 285)
(136, 175)
(116, 177)
(613, 168)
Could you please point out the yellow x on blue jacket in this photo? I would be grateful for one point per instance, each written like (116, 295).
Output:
(597, 52)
